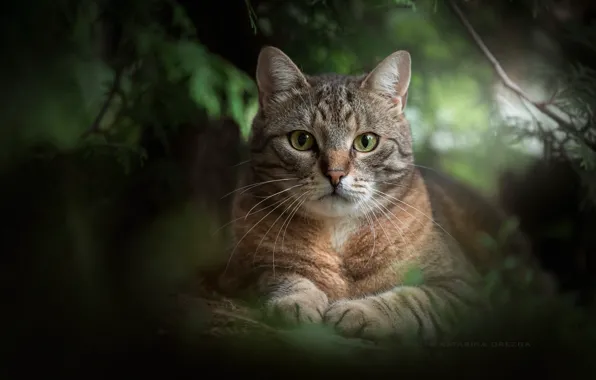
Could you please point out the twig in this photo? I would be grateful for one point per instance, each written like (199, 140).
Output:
(106, 106)
(252, 15)
(510, 84)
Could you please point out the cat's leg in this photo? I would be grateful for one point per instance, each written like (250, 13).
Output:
(420, 312)
(292, 298)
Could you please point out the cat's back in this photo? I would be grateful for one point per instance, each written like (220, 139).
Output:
(467, 215)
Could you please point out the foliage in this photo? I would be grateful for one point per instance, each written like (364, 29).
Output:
(120, 70)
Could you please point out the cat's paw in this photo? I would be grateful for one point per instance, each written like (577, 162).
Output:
(358, 318)
(298, 308)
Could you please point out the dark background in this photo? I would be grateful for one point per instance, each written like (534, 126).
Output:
(109, 204)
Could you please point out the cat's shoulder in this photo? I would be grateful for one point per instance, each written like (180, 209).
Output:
(442, 187)
(461, 208)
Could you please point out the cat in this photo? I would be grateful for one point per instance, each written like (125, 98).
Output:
(334, 221)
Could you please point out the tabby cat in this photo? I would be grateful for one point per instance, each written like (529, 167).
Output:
(334, 217)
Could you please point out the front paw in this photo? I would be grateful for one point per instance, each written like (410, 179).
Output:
(298, 308)
(358, 318)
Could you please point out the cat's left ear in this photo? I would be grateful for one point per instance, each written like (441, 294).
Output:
(277, 76)
(391, 78)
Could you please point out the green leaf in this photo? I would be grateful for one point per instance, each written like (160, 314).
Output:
(507, 229)
(488, 241)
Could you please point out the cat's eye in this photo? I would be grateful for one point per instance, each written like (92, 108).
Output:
(366, 142)
(301, 140)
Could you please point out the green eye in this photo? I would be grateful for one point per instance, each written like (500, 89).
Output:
(366, 142)
(301, 140)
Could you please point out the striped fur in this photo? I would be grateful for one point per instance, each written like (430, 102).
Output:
(347, 261)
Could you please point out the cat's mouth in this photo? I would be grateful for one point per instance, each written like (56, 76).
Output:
(334, 203)
(331, 196)
(335, 194)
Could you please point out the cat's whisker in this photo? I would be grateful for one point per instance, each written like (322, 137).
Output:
(399, 184)
(253, 185)
(240, 163)
(371, 226)
(244, 217)
(272, 195)
(382, 229)
(267, 182)
(380, 224)
(250, 229)
(282, 226)
(293, 196)
(388, 210)
(419, 166)
(396, 184)
(292, 216)
(389, 198)
(380, 206)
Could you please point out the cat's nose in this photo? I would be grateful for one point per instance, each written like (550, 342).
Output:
(335, 176)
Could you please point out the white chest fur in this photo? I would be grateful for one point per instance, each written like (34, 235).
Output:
(341, 231)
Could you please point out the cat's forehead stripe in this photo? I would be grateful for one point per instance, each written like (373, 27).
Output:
(334, 112)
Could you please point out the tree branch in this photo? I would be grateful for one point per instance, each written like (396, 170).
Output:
(114, 89)
(510, 84)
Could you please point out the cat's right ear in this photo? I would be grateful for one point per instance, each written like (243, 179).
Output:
(277, 76)
(391, 78)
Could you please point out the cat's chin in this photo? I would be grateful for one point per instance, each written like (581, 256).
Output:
(332, 206)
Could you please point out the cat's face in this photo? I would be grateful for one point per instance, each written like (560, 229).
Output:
(335, 145)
